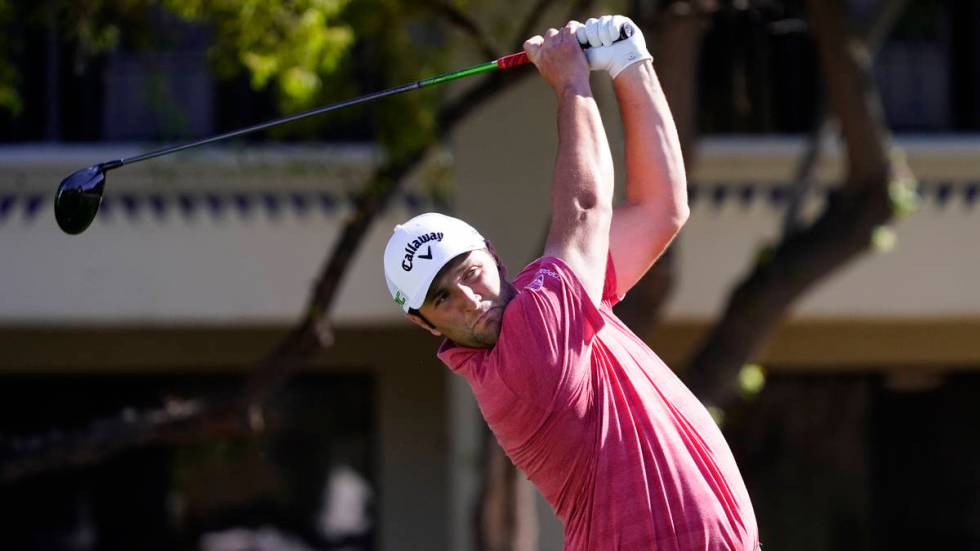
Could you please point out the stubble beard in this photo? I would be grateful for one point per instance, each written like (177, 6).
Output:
(486, 334)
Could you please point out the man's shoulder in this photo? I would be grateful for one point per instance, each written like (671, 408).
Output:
(549, 298)
(526, 273)
(535, 274)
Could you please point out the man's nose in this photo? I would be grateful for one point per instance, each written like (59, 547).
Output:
(469, 298)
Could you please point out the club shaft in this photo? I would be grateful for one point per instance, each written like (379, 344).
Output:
(505, 62)
(460, 73)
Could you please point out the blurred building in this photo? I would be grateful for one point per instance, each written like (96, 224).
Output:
(200, 262)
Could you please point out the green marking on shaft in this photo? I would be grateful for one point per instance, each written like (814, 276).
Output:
(476, 69)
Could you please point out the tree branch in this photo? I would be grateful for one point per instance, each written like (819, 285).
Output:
(241, 413)
(494, 82)
(884, 20)
(531, 23)
(466, 24)
(842, 232)
(851, 93)
(177, 421)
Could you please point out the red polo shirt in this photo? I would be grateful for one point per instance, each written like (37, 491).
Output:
(622, 450)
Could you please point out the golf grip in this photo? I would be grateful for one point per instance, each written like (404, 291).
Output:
(520, 58)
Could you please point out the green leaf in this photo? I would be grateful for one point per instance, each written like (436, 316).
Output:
(883, 239)
(751, 380)
(904, 197)
(291, 46)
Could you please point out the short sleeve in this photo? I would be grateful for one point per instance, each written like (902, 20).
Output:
(609, 296)
(547, 333)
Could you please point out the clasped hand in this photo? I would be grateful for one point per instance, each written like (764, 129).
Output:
(561, 61)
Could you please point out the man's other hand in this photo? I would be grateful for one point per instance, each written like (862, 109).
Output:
(559, 58)
(605, 54)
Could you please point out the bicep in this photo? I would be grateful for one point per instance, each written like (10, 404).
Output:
(637, 238)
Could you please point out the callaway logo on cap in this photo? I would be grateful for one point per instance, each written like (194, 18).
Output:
(419, 248)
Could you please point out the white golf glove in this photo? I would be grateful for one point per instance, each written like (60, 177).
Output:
(603, 54)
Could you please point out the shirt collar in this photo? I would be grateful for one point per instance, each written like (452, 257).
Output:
(458, 357)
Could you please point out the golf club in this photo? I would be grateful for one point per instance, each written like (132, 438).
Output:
(78, 198)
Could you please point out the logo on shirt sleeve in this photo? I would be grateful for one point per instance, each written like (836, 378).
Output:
(538, 280)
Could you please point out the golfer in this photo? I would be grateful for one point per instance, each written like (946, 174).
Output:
(626, 455)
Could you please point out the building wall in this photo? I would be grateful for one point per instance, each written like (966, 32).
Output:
(202, 260)
(239, 236)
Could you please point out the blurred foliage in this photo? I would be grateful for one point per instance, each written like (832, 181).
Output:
(717, 414)
(751, 380)
(295, 44)
(904, 196)
(884, 239)
(302, 52)
(92, 24)
(903, 189)
(401, 43)
(290, 45)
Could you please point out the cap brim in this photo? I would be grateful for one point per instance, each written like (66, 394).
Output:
(416, 303)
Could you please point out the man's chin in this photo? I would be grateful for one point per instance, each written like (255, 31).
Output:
(488, 337)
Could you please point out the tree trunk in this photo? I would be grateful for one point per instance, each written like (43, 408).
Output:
(505, 514)
(843, 232)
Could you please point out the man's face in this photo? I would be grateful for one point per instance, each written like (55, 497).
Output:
(466, 300)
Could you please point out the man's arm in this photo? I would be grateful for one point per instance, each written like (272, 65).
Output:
(656, 185)
(583, 184)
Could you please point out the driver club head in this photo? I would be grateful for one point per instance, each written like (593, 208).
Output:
(78, 199)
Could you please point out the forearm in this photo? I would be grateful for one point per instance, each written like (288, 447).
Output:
(582, 190)
(655, 208)
(583, 166)
(655, 176)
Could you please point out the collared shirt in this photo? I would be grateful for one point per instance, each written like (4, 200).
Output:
(620, 448)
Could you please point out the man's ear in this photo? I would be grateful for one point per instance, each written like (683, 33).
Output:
(424, 324)
(500, 265)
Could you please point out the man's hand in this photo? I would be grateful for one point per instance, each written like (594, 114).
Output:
(605, 54)
(559, 58)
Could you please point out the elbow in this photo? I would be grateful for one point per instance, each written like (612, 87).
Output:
(669, 216)
(676, 207)
(591, 200)
(590, 207)
(679, 216)
(679, 209)
(676, 218)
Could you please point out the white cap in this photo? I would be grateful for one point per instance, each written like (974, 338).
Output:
(419, 248)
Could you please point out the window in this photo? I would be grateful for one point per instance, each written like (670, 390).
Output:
(760, 73)
(154, 86)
